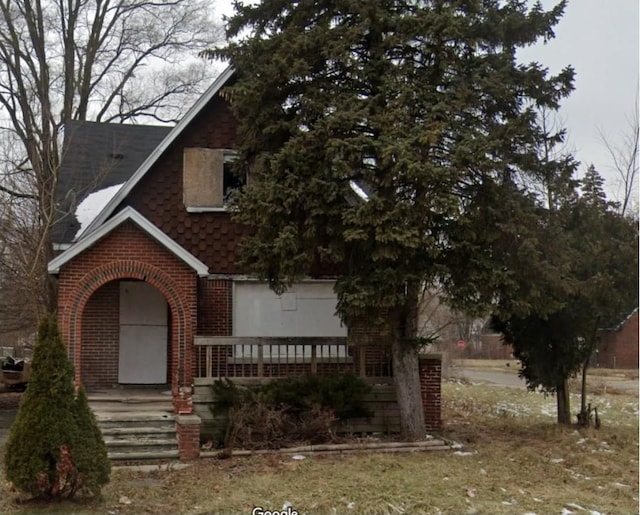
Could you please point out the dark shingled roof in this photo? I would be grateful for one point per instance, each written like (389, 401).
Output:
(96, 156)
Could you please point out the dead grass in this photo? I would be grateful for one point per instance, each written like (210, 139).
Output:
(514, 461)
(511, 365)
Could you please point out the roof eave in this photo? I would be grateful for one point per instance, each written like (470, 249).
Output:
(128, 214)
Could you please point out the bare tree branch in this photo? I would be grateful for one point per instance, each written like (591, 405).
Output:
(61, 60)
(625, 159)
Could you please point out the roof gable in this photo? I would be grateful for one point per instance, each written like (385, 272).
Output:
(128, 214)
(155, 155)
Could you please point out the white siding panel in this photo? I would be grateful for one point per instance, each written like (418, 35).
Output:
(306, 309)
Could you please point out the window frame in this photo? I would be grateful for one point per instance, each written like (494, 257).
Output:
(228, 156)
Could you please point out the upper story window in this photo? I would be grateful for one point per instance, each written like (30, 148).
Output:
(208, 179)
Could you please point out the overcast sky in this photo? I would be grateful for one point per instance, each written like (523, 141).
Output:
(599, 38)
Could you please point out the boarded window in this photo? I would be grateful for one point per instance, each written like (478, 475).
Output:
(203, 174)
(208, 178)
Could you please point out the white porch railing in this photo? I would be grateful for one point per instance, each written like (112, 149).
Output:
(227, 356)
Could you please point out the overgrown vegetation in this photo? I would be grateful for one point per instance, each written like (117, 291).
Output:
(55, 449)
(286, 410)
(515, 460)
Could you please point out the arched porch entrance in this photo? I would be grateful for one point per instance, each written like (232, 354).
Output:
(129, 323)
(126, 336)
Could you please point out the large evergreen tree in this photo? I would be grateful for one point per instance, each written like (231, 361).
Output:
(423, 105)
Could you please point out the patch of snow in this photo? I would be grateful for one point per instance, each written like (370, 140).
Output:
(621, 485)
(581, 441)
(298, 457)
(594, 512)
(566, 512)
(91, 206)
(465, 453)
(351, 505)
(557, 460)
(575, 506)
(530, 513)
(286, 505)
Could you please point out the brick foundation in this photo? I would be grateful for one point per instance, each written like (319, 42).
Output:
(188, 432)
(431, 388)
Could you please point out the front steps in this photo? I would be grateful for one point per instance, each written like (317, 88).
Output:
(136, 427)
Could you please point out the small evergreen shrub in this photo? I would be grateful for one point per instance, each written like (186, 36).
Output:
(54, 448)
(341, 394)
(90, 451)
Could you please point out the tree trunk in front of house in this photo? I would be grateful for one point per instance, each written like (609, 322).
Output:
(562, 400)
(406, 373)
(407, 381)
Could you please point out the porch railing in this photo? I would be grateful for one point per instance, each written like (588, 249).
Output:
(226, 356)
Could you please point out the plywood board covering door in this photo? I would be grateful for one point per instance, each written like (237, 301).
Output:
(143, 334)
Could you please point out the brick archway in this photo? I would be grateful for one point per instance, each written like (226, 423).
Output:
(181, 330)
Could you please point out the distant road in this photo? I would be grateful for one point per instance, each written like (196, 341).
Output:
(511, 379)
(489, 376)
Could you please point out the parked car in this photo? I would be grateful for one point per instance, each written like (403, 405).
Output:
(15, 373)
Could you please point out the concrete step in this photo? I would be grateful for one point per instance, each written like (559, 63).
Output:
(137, 419)
(140, 445)
(138, 429)
(144, 456)
(164, 431)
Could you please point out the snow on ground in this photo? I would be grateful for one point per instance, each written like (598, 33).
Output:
(91, 206)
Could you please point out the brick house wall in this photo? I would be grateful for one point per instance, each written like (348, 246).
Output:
(100, 331)
(215, 306)
(618, 348)
(211, 237)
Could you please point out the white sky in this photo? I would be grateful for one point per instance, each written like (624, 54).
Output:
(599, 38)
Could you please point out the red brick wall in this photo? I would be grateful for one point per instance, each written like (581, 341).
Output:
(128, 253)
(100, 346)
(619, 348)
(215, 307)
(430, 387)
(188, 432)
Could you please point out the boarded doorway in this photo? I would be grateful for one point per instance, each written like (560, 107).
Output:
(143, 334)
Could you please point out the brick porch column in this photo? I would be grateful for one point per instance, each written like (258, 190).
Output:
(430, 387)
(188, 432)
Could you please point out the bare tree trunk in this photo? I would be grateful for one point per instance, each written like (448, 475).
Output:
(407, 382)
(563, 403)
(404, 352)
